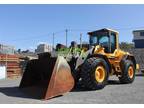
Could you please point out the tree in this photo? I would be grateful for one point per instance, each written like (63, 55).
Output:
(19, 51)
(126, 45)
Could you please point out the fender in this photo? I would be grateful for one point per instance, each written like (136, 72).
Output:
(128, 57)
(104, 57)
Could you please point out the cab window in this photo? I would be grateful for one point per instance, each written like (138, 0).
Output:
(113, 42)
(104, 41)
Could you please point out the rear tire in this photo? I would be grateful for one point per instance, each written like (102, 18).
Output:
(128, 72)
(94, 73)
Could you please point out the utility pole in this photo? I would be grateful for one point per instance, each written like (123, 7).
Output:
(80, 40)
(66, 36)
(6, 60)
(53, 40)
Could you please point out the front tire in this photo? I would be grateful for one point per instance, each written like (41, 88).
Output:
(128, 72)
(94, 73)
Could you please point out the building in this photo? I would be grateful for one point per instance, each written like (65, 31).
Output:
(5, 49)
(10, 61)
(43, 48)
(12, 64)
(138, 38)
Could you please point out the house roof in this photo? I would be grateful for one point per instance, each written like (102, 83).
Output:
(142, 30)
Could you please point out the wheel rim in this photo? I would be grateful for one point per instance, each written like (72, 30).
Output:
(100, 74)
(131, 72)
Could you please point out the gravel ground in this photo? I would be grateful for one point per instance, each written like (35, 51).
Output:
(113, 93)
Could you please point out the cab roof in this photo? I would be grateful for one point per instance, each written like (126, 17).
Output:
(106, 30)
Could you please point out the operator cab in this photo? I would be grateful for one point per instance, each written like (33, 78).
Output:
(106, 38)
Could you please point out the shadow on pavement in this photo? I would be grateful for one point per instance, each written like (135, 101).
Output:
(114, 82)
(140, 75)
(14, 92)
(80, 88)
(17, 92)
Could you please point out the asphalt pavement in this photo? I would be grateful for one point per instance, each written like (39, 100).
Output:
(113, 93)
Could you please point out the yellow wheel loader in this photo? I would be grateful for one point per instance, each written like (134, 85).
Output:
(50, 76)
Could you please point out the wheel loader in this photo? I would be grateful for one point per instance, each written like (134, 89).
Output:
(53, 75)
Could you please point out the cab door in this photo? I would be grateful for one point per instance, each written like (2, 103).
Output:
(113, 44)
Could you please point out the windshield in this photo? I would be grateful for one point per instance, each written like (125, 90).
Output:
(103, 40)
(99, 40)
(93, 40)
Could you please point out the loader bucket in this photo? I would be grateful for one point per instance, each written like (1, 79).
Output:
(46, 78)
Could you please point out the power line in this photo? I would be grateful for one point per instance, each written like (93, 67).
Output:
(66, 33)
(78, 30)
(128, 28)
(66, 36)
(53, 39)
(58, 32)
(37, 37)
(80, 40)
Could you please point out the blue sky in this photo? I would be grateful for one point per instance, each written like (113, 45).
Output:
(25, 26)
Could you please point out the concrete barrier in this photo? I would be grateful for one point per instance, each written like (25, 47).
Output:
(2, 72)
